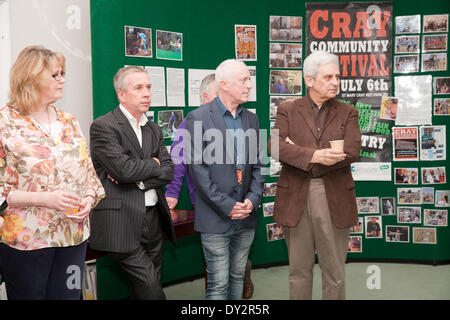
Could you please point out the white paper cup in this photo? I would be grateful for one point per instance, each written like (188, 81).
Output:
(337, 145)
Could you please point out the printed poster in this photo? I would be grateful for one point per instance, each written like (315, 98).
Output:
(406, 143)
(360, 34)
(245, 42)
(432, 143)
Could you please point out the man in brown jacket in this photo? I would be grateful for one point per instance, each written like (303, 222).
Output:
(315, 200)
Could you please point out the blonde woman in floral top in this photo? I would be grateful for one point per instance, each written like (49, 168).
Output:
(47, 180)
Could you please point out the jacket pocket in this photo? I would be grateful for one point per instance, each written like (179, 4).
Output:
(283, 183)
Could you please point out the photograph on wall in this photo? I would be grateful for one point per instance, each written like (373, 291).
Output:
(427, 195)
(432, 143)
(268, 209)
(424, 235)
(285, 55)
(406, 63)
(355, 244)
(374, 227)
(434, 61)
(441, 85)
(407, 24)
(367, 205)
(435, 23)
(435, 218)
(285, 28)
(397, 234)
(406, 143)
(245, 42)
(169, 45)
(434, 42)
(406, 176)
(150, 115)
(275, 167)
(409, 214)
(389, 106)
(407, 44)
(169, 121)
(270, 189)
(138, 42)
(387, 206)
(285, 82)
(442, 106)
(414, 99)
(409, 195)
(274, 232)
(358, 228)
(441, 198)
(433, 175)
(275, 101)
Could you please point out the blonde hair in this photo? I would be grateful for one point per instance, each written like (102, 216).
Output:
(120, 79)
(28, 73)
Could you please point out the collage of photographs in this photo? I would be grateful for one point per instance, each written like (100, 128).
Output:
(285, 62)
(430, 41)
(413, 38)
(285, 83)
(415, 187)
(407, 210)
(166, 82)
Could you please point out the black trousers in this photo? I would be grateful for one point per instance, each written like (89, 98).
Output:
(143, 265)
(43, 274)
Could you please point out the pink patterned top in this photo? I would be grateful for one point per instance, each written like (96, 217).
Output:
(31, 160)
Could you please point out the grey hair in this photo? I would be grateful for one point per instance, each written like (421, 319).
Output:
(206, 85)
(120, 79)
(315, 60)
(226, 69)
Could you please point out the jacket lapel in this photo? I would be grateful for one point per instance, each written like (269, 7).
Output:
(147, 138)
(128, 130)
(307, 115)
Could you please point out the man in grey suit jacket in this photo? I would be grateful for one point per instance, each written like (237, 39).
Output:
(133, 164)
(227, 175)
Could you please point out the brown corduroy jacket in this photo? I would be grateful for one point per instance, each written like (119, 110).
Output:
(296, 121)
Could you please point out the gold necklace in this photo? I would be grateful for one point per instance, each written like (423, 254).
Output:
(49, 130)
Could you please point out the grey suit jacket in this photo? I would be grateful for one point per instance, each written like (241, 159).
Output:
(116, 223)
(216, 183)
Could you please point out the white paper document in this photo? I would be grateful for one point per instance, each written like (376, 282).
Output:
(175, 87)
(158, 81)
(414, 100)
(195, 80)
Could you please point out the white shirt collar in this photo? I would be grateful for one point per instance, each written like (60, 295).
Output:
(142, 121)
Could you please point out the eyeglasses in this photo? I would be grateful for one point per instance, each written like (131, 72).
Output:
(58, 76)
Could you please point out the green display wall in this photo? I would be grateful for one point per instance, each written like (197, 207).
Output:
(208, 39)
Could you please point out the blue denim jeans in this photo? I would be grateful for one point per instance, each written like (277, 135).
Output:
(226, 257)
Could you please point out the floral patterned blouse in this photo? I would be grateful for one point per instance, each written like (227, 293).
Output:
(31, 160)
